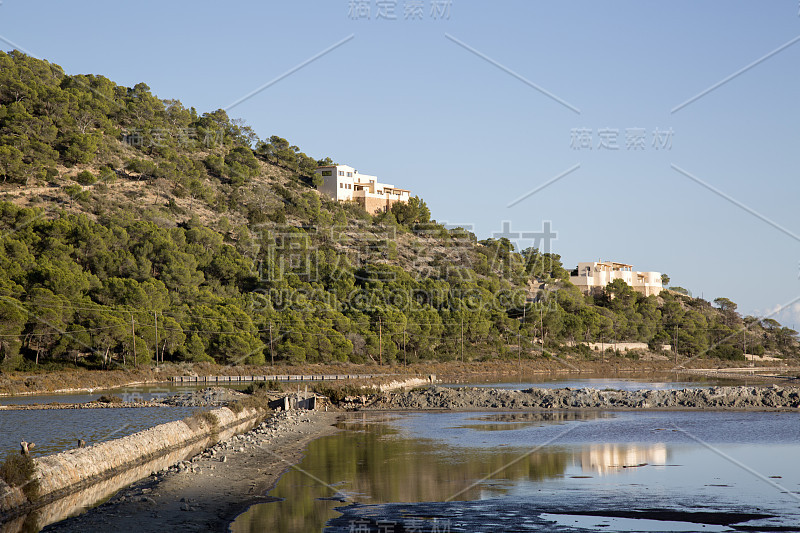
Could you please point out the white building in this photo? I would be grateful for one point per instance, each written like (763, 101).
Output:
(593, 277)
(344, 183)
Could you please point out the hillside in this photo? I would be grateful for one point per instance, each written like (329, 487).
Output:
(134, 228)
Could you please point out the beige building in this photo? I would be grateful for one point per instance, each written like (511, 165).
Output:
(344, 183)
(593, 277)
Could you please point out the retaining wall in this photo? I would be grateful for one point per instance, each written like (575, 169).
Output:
(64, 473)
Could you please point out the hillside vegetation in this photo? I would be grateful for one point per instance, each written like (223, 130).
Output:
(133, 228)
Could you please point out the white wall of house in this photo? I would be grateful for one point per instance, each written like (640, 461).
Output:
(593, 276)
(343, 182)
(339, 181)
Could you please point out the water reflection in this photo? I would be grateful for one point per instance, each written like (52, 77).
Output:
(610, 458)
(515, 421)
(414, 464)
(632, 381)
(372, 462)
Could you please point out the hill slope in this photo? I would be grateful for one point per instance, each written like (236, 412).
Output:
(134, 228)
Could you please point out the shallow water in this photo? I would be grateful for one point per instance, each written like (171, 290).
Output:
(128, 393)
(660, 381)
(560, 471)
(56, 430)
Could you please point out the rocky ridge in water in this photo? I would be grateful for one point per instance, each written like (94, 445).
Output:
(467, 398)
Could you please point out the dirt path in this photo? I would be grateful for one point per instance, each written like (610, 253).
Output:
(208, 492)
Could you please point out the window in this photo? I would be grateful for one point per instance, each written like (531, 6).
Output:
(349, 185)
(349, 174)
(341, 172)
(341, 185)
(327, 173)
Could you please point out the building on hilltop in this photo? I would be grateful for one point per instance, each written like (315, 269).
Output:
(591, 278)
(343, 183)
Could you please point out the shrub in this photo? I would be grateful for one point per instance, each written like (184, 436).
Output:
(107, 175)
(85, 178)
(109, 399)
(76, 192)
(18, 471)
(728, 352)
(337, 393)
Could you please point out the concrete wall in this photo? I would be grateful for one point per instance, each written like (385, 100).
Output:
(408, 383)
(64, 473)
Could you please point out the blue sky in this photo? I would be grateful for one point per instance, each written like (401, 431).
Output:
(431, 103)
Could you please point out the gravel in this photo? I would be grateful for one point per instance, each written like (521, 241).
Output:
(210, 397)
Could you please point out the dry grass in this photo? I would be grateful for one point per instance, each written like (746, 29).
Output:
(203, 419)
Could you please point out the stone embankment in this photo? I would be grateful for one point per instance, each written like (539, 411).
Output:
(469, 398)
(84, 405)
(408, 383)
(61, 474)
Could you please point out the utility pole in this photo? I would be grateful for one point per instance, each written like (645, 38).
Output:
(155, 317)
(405, 355)
(380, 341)
(676, 344)
(133, 334)
(615, 338)
(271, 350)
(744, 342)
(524, 312)
(541, 325)
(462, 338)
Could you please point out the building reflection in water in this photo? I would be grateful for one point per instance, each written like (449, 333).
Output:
(609, 458)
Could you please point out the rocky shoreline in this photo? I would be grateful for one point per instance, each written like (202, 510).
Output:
(475, 398)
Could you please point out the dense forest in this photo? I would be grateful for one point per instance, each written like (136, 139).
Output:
(133, 229)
